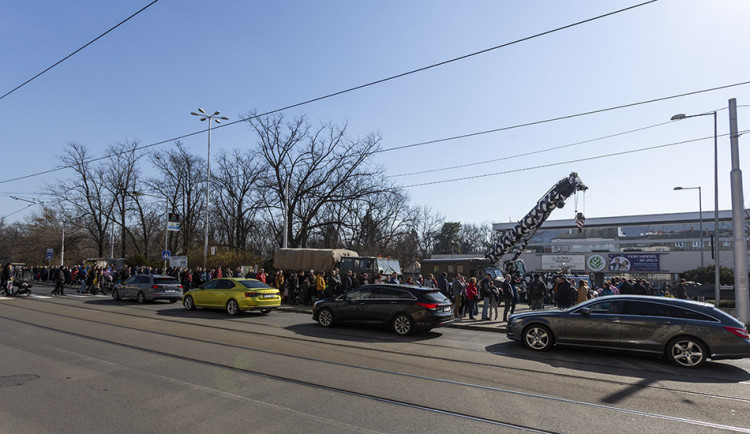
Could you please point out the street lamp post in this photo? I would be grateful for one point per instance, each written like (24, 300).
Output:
(166, 219)
(215, 117)
(717, 263)
(700, 213)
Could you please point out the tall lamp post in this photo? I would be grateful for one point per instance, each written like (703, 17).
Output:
(216, 118)
(700, 213)
(166, 219)
(717, 263)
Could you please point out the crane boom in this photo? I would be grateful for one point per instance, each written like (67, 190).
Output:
(554, 198)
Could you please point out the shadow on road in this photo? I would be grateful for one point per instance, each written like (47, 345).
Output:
(358, 333)
(650, 369)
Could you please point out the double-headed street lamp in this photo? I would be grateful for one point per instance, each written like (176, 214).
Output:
(717, 266)
(700, 213)
(216, 118)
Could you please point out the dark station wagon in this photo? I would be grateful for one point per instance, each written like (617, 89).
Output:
(686, 332)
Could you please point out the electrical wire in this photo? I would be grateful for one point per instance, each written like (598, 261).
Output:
(634, 104)
(560, 163)
(331, 95)
(14, 213)
(76, 51)
(526, 154)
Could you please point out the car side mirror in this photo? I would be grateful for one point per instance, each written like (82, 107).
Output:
(586, 311)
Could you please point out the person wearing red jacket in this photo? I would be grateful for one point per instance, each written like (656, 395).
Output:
(472, 294)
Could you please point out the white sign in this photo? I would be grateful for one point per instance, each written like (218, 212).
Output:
(173, 226)
(556, 262)
(178, 261)
(596, 262)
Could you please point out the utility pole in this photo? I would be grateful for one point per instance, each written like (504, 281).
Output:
(739, 244)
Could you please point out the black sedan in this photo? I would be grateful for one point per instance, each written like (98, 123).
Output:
(685, 332)
(406, 308)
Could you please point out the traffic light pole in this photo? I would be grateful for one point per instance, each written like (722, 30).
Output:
(739, 244)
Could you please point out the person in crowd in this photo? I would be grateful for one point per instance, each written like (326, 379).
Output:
(537, 290)
(442, 285)
(486, 295)
(59, 282)
(320, 285)
(472, 295)
(5, 279)
(566, 293)
(458, 288)
(347, 281)
(494, 300)
(639, 288)
(583, 291)
(409, 280)
(607, 289)
(510, 297)
(681, 291)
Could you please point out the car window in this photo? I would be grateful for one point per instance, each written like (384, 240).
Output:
(165, 281)
(358, 294)
(253, 284)
(130, 279)
(435, 295)
(678, 312)
(609, 307)
(644, 308)
(211, 284)
(390, 293)
(142, 279)
(225, 284)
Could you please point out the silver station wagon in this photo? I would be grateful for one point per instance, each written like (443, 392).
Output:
(686, 332)
(148, 287)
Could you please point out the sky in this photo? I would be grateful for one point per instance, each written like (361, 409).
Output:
(142, 80)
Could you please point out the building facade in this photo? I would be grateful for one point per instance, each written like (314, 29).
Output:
(655, 246)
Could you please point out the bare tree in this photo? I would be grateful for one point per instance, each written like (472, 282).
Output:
(324, 168)
(123, 177)
(237, 196)
(427, 226)
(85, 199)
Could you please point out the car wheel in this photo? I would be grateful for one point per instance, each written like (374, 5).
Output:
(232, 307)
(141, 297)
(538, 338)
(325, 317)
(403, 325)
(686, 352)
(265, 311)
(115, 295)
(189, 303)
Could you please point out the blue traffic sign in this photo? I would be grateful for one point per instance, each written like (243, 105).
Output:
(49, 252)
(166, 254)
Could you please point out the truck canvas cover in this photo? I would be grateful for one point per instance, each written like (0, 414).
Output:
(309, 259)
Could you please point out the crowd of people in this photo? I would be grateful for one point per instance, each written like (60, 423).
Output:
(306, 287)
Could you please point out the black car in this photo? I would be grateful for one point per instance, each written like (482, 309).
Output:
(685, 332)
(406, 308)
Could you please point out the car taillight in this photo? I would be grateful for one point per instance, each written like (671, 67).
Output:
(251, 294)
(429, 306)
(179, 286)
(738, 332)
(155, 286)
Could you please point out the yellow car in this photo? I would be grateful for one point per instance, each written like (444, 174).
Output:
(233, 294)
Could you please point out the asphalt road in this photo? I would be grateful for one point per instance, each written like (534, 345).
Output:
(89, 364)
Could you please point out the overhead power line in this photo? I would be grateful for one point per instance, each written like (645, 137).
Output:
(559, 163)
(76, 51)
(650, 101)
(526, 154)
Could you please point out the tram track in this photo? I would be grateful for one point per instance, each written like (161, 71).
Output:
(678, 377)
(351, 366)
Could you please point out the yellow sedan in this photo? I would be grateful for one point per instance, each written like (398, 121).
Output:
(233, 294)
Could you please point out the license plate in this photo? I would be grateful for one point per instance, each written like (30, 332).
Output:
(269, 295)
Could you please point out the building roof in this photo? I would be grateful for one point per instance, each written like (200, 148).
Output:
(644, 219)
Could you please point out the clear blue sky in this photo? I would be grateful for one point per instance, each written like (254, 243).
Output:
(141, 81)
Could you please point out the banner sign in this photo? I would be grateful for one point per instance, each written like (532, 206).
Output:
(621, 262)
(556, 262)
